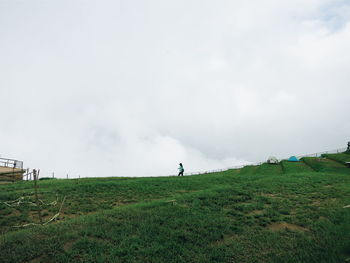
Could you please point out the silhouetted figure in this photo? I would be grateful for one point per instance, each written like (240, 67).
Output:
(181, 170)
(348, 146)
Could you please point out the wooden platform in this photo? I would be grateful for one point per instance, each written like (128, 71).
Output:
(11, 174)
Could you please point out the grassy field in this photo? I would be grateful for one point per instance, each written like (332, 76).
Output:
(341, 157)
(291, 212)
(295, 167)
(325, 165)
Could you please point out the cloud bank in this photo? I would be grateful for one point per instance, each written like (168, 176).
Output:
(128, 88)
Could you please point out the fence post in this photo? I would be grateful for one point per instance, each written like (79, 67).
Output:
(36, 176)
(13, 174)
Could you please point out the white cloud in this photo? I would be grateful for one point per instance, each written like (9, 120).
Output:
(133, 88)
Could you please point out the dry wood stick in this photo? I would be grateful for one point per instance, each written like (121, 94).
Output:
(36, 176)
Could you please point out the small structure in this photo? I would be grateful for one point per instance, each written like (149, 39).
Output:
(348, 149)
(272, 160)
(293, 159)
(11, 170)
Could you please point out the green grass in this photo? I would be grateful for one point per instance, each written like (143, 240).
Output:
(340, 157)
(326, 165)
(255, 214)
(295, 167)
(248, 170)
(93, 195)
(266, 168)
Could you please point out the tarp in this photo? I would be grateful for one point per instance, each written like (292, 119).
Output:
(293, 159)
(272, 159)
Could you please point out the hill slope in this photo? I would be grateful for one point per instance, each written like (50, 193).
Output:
(292, 212)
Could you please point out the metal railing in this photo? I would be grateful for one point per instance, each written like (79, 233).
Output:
(340, 150)
(11, 163)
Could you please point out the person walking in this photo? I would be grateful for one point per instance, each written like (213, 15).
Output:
(181, 170)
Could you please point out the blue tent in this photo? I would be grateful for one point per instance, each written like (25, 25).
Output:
(293, 159)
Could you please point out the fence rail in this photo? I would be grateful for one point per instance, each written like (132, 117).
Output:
(340, 150)
(11, 163)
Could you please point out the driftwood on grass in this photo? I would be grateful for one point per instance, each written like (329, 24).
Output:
(49, 221)
(21, 200)
(38, 203)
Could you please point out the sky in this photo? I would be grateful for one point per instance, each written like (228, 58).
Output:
(133, 88)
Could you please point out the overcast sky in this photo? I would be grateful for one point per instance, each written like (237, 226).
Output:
(132, 87)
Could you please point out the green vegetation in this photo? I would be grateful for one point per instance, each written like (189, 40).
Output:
(266, 168)
(295, 167)
(326, 165)
(267, 213)
(248, 170)
(340, 157)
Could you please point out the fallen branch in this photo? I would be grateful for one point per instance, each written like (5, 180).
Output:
(30, 224)
(16, 202)
(20, 201)
(50, 220)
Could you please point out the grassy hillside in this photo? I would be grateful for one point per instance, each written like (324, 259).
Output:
(295, 167)
(325, 165)
(340, 157)
(292, 212)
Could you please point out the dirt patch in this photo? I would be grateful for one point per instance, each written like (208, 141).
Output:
(33, 215)
(244, 202)
(328, 186)
(278, 226)
(316, 203)
(269, 195)
(37, 260)
(127, 202)
(99, 239)
(68, 245)
(291, 196)
(5, 182)
(45, 214)
(186, 191)
(224, 240)
(293, 212)
(103, 240)
(256, 212)
(14, 212)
